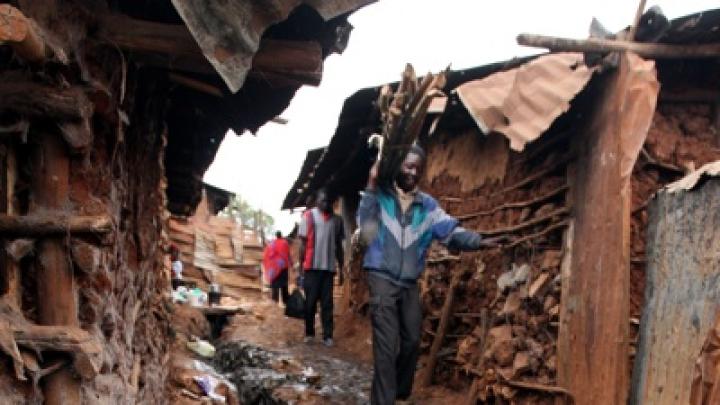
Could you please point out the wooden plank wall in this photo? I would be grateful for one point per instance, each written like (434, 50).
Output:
(683, 292)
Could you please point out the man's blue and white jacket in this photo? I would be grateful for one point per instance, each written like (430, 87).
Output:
(397, 243)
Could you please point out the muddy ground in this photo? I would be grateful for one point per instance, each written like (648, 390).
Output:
(262, 357)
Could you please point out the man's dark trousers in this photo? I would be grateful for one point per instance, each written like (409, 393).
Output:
(319, 286)
(396, 320)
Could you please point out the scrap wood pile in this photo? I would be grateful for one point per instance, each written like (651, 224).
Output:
(492, 317)
(403, 114)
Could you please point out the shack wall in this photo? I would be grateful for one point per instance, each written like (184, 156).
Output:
(115, 281)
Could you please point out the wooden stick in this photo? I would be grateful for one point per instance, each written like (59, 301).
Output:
(21, 34)
(534, 177)
(518, 204)
(538, 387)
(545, 231)
(194, 84)
(83, 347)
(445, 316)
(645, 50)
(522, 225)
(20, 95)
(443, 259)
(49, 224)
(636, 22)
(451, 199)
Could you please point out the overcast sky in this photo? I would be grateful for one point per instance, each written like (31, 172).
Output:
(430, 34)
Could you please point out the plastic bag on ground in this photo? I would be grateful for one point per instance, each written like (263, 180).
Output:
(295, 307)
(202, 348)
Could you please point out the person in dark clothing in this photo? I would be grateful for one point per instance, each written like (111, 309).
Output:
(398, 225)
(321, 236)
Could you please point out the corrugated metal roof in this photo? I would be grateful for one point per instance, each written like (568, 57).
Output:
(698, 28)
(691, 180)
(522, 103)
(293, 197)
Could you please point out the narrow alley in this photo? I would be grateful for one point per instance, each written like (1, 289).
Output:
(387, 202)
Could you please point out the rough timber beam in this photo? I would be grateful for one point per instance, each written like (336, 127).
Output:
(49, 224)
(171, 46)
(646, 50)
(20, 33)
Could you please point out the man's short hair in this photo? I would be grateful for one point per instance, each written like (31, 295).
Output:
(278, 234)
(416, 149)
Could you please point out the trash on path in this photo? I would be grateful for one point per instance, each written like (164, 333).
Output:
(202, 347)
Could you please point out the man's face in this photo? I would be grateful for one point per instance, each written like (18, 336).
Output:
(323, 202)
(411, 171)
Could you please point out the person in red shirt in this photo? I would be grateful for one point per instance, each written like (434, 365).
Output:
(276, 260)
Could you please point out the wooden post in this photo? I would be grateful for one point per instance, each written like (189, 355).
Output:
(57, 295)
(593, 347)
(445, 315)
(11, 269)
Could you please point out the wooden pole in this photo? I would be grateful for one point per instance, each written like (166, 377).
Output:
(57, 295)
(593, 345)
(11, 269)
(636, 21)
(646, 50)
(445, 315)
(20, 33)
(54, 223)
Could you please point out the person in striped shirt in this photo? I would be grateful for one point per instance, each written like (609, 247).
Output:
(321, 258)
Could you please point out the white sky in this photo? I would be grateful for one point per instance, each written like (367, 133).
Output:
(430, 34)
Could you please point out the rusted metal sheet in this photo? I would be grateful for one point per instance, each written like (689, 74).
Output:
(691, 180)
(229, 33)
(522, 103)
(683, 290)
(593, 349)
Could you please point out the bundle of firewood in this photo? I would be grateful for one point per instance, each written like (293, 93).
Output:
(403, 114)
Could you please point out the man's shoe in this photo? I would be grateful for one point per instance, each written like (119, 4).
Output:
(308, 339)
(328, 342)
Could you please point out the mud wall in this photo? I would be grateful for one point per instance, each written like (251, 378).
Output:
(500, 328)
(116, 280)
(502, 345)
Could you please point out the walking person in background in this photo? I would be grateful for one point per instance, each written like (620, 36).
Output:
(309, 205)
(176, 266)
(276, 261)
(398, 224)
(321, 237)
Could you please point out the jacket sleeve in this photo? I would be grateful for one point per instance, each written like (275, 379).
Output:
(368, 215)
(448, 231)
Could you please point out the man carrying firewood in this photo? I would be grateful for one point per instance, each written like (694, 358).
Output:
(398, 222)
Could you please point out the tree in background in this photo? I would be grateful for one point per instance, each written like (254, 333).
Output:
(249, 217)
